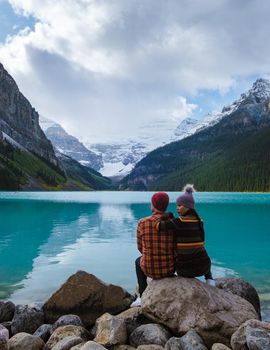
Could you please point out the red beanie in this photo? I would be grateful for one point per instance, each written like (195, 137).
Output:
(160, 201)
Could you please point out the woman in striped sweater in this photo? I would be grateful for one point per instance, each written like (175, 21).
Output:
(192, 259)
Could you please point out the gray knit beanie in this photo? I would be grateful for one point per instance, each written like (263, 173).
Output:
(187, 199)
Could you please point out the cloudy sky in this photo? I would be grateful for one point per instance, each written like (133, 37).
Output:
(105, 69)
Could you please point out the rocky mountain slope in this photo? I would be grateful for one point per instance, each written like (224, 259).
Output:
(70, 145)
(20, 121)
(27, 158)
(231, 155)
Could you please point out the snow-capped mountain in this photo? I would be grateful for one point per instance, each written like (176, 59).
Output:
(70, 145)
(117, 159)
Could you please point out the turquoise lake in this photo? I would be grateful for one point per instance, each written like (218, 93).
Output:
(45, 237)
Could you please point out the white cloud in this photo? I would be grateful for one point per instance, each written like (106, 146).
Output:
(104, 67)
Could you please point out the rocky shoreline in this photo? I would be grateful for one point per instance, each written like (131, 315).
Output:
(176, 314)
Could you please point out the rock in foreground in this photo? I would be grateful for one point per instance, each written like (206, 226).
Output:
(241, 288)
(183, 304)
(252, 335)
(88, 297)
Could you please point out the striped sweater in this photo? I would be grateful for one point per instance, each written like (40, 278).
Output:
(192, 259)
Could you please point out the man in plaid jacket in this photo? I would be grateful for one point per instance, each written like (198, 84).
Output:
(157, 247)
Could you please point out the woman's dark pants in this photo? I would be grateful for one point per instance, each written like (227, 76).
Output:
(141, 277)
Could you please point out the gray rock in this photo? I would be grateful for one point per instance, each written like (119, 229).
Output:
(67, 343)
(26, 319)
(122, 347)
(133, 318)
(23, 341)
(174, 343)
(91, 345)
(78, 347)
(7, 325)
(219, 346)
(149, 334)
(66, 331)
(241, 288)
(111, 330)
(7, 310)
(192, 341)
(44, 332)
(252, 335)
(4, 336)
(67, 320)
(88, 297)
(182, 304)
(150, 347)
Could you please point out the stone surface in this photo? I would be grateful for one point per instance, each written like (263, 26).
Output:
(67, 343)
(4, 336)
(182, 304)
(88, 297)
(133, 318)
(174, 343)
(26, 319)
(66, 331)
(241, 288)
(252, 335)
(192, 341)
(149, 334)
(91, 345)
(67, 320)
(110, 330)
(7, 310)
(219, 346)
(7, 325)
(150, 347)
(44, 332)
(23, 341)
(78, 347)
(122, 347)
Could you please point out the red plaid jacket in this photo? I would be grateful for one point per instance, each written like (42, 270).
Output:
(157, 248)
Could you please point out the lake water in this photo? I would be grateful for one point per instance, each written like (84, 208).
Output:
(46, 237)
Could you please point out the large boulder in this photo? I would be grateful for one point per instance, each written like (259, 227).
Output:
(241, 288)
(252, 335)
(23, 341)
(182, 304)
(7, 310)
(149, 334)
(88, 297)
(110, 330)
(26, 319)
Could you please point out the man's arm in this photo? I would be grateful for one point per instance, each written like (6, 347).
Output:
(166, 225)
(139, 237)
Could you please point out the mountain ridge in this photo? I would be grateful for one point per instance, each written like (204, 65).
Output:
(168, 167)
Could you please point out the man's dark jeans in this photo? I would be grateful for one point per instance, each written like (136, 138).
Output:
(141, 277)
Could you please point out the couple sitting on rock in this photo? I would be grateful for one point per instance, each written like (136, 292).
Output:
(169, 244)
